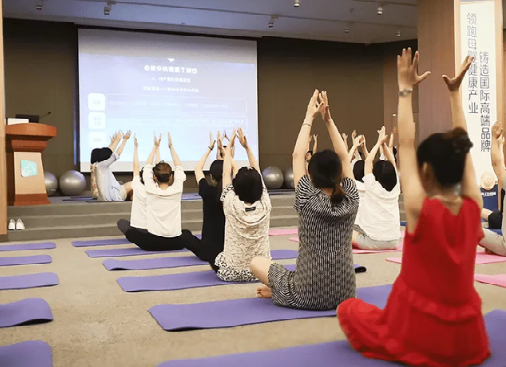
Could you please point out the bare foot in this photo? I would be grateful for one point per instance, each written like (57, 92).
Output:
(264, 291)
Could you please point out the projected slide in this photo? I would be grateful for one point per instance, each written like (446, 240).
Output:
(148, 83)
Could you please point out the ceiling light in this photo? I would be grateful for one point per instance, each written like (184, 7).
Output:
(296, 4)
(398, 33)
(346, 30)
(107, 10)
(39, 5)
(271, 23)
(380, 10)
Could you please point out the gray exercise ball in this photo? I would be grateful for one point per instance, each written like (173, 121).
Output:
(289, 178)
(72, 183)
(273, 178)
(51, 183)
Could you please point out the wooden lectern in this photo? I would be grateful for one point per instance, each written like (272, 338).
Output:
(25, 174)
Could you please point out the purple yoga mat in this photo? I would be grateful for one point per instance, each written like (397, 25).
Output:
(247, 311)
(113, 241)
(27, 354)
(172, 282)
(28, 246)
(176, 262)
(338, 354)
(24, 312)
(25, 260)
(28, 281)
(122, 252)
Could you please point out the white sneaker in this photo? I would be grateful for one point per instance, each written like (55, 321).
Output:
(12, 225)
(20, 225)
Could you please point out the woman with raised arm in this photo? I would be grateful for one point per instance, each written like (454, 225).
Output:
(247, 209)
(493, 242)
(433, 314)
(377, 226)
(326, 200)
(109, 189)
(311, 152)
(164, 188)
(138, 215)
(213, 225)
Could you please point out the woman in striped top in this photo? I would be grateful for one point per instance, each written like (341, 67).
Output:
(327, 203)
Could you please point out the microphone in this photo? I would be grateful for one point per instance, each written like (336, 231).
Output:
(44, 116)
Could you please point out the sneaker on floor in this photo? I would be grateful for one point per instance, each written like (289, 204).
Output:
(12, 225)
(20, 225)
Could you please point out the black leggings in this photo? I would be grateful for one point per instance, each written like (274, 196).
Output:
(150, 242)
(203, 250)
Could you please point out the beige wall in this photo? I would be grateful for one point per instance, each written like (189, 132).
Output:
(41, 76)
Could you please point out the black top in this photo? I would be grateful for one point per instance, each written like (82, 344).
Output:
(213, 227)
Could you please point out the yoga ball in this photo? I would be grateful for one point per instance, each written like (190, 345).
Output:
(273, 178)
(289, 178)
(72, 183)
(51, 183)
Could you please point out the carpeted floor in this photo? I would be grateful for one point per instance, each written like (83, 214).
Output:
(97, 324)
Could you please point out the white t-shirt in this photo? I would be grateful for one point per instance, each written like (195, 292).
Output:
(361, 192)
(164, 206)
(138, 216)
(109, 189)
(379, 214)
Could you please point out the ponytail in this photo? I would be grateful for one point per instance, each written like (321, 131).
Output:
(338, 194)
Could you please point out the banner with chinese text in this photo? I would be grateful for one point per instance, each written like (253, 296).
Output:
(479, 93)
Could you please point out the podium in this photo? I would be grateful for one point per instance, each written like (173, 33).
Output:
(25, 173)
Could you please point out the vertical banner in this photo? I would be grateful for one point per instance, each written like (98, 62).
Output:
(479, 89)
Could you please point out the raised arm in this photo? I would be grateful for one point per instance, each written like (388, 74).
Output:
(227, 166)
(392, 138)
(470, 186)
(337, 141)
(123, 143)
(199, 168)
(354, 148)
(414, 194)
(156, 146)
(301, 145)
(364, 147)
(345, 140)
(253, 162)
(497, 152)
(136, 157)
(368, 164)
(315, 145)
(175, 157)
(116, 138)
(389, 155)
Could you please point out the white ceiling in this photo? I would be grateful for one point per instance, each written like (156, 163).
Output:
(314, 19)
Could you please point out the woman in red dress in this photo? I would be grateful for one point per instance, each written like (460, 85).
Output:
(433, 315)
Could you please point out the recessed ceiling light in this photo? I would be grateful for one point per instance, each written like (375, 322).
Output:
(271, 23)
(398, 33)
(346, 30)
(39, 5)
(380, 10)
(296, 4)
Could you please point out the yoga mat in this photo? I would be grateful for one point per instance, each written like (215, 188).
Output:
(122, 252)
(26, 354)
(25, 260)
(112, 241)
(283, 231)
(176, 262)
(338, 353)
(498, 231)
(481, 258)
(79, 198)
(172, 282)
(28, 281)
(399, 248)
(248, 311)
(25, 312)
(498, 279)
(28, 246)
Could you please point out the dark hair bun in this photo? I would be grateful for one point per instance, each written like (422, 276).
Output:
(460, 140)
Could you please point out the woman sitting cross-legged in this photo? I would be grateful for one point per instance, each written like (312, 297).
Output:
(327, 203)
(109, 189)
(247, 209)
(213, 225)
(164, 188)
(378, 225)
